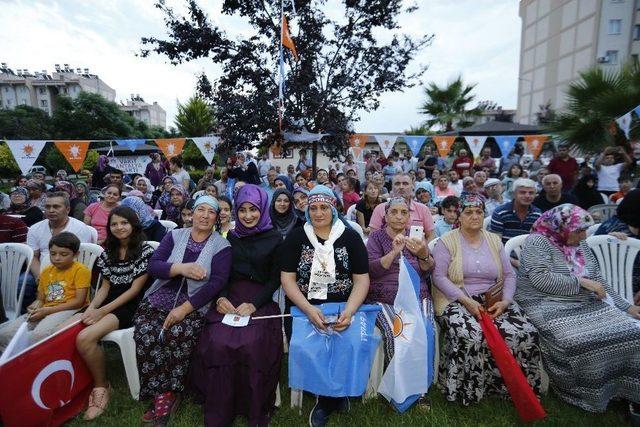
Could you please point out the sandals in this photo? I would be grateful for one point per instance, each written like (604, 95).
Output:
(98, 401)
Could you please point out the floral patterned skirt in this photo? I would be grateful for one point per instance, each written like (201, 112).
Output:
(468, 372)
(163, 366)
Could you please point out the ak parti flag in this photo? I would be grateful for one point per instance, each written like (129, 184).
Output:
(74, 151)
(46, 384)
(443, 144)
(357, 142)
(535, 143)
(171, 147)
(287, 41)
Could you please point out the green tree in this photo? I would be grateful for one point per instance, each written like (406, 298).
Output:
(593, 103)
(8, 165)
(447, 106)
(25, 122)
(195, 118)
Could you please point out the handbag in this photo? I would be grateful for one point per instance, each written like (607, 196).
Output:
(494, 294)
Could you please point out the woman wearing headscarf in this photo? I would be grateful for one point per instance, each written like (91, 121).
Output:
(77, 204)
(144, 185)
(82, 191)
(163, 192)
(589, 339)
(155, 170)
(473, 274)
(283, 181)
(191, 266)
(586, 191)
(172, 210)
(425, 194)
(153, 230)
(300, 199)
(282, 212)
(19, 198)
(332, 257)
(207, 179)
(100, 171)
(236, 370)
(37, 193)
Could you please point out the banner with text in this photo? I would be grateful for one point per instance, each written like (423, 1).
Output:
(207, 146)
(130, 164)
(25, 152)
(475, 144)
(357, 142)
(386, 143)
(171, 147)
(444, 144)
(535, 143)
(74, 151)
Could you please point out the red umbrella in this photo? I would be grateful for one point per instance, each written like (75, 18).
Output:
(522, 395)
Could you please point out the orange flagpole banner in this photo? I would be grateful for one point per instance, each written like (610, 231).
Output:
(287, 41)
(444, 144)
(74, 151)
(357, 142)
(535, 143)
(171, 147)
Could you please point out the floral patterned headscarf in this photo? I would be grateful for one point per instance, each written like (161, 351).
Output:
(556, 224)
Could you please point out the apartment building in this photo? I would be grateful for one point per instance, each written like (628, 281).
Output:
(151, 114)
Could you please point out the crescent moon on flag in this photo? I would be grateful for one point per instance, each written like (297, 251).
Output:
(50, 369)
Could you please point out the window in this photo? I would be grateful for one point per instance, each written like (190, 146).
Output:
(615, 26)
(44, 103)
(9, 103)
(41, 91)
(636, 32)
(612, 56)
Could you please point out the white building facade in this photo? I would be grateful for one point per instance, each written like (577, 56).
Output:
(151, 114)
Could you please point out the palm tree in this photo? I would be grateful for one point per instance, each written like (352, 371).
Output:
(593, 103)
(447, 106)
(195, 118)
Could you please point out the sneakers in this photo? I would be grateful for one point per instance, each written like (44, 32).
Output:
(318, 416)
(98, 401)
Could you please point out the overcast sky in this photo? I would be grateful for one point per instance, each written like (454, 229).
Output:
(479, 39)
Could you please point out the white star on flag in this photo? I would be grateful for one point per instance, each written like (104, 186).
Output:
(75, 151)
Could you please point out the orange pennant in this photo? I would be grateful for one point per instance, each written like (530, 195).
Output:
(171, 147)
(444, 144)
(287, 41)
(357, 142)
(74, 151)
(535, 143)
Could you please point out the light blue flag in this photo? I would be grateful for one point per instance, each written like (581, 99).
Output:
(410, 370)
(506, 143)
(133, 144)
(637, 110)
(330, 363)
(415, 143)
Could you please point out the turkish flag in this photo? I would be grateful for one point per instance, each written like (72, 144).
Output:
(47, 384)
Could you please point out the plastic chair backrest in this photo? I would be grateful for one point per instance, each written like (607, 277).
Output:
(432, 244)
(592, 229)
(158, 213)
(616, 259)
(169, 225)
(351, 213)
(89, 253)
(153, 244)
(605, 199)
(356, 227)
(94, 234)
(514, 244)
(486, 223)
(13, 257)
(603, 212)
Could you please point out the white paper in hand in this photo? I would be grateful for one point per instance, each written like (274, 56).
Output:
(235, 320)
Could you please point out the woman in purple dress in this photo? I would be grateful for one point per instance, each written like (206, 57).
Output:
(236, 369)
(191, 266)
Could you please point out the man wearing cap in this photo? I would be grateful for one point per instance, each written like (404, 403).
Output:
(565, 166)
(493, 190)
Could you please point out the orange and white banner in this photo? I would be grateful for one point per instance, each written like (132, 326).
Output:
(535, 143)
(171, 147)
(74, 151)
(475, 144)
(444, 144)
(25, 152)
(357, 142)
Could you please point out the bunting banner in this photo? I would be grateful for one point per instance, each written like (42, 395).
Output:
(444, 144)
(637, 110)
(357, 142)
(287, 41)
(506, 143)
(386, 143)
(133, 144)
(415, 143)
(207, 146)
(74, 151)
(535, 143)
(25, 152)
(625, 123)
(171, 147)
(475, 144)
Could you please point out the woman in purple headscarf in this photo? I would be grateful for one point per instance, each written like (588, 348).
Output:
(99, 172)
(236, 369)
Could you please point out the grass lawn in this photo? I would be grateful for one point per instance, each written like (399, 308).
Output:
(124, 411)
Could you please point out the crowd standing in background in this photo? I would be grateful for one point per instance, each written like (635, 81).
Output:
(247, 228)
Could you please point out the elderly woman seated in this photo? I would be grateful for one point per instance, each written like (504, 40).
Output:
(471, 267)
(589, 339)
(385, 246)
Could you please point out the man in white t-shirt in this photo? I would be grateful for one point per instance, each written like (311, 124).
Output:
(609, 171)
(264, 165)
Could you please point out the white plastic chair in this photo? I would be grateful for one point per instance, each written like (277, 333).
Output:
(89, 253)
(616, 259)
(351, 213)
(94, 234)
(13, 257)
(153, 244)
(158, 213)
(605, 199)
(432, 244)
(486, 223)
(124, 339)
(356, 227)
(514, 244)
(592, 229)
(601, 213)
(169, 225)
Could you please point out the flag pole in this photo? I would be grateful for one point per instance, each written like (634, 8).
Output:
(280, 70)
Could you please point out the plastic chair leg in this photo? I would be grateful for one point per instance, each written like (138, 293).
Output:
(128, 350)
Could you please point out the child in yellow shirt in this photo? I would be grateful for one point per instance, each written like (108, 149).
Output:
(62, 290)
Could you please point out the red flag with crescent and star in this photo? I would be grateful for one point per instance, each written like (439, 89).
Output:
(46, 384)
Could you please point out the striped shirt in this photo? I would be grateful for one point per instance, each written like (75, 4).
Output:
(12, 230)
(505, 221)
